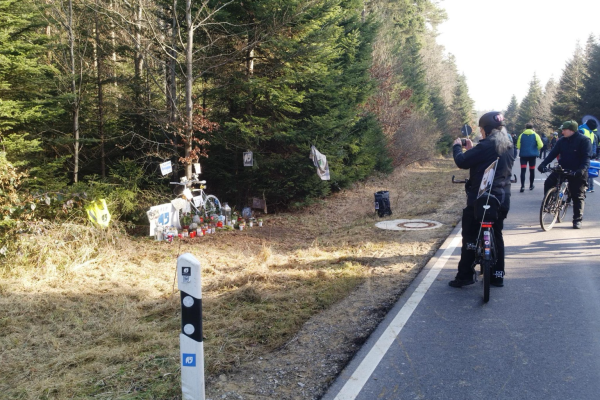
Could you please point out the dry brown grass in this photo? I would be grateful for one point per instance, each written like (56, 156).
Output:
(94, 315)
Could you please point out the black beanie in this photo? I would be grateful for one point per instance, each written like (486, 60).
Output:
(592, 124)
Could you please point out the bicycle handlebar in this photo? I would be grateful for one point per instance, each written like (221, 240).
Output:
(188, 183)
(458, 180)
(558, 168)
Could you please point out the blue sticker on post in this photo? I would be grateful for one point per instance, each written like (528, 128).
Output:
(188, 360)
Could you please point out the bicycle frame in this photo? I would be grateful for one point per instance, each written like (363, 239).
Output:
(555, 202)
(196, 197)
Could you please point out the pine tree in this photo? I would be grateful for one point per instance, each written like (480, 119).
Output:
(302, 78)
(543, 114)
(23, 75)
(530, 105)
(566, 103)
(510, 115)
(590, 91)
(462, 105)
(27, 101)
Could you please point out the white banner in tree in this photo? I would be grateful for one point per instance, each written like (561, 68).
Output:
(320, 161)
(166, 168)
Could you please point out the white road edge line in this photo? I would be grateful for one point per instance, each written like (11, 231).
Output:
(363, 372)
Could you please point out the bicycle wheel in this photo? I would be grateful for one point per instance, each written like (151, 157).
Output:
(487, 274)
(564, 203)
(549, 209)
(212, 205)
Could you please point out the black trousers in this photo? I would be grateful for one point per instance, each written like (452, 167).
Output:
(524, 162)
(470, 230)
(576, 188)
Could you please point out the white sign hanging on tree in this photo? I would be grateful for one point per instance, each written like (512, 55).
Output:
(166, 168)
(248, 159)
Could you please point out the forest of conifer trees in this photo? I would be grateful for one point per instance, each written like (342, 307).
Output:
(95, 94)
(575, 94)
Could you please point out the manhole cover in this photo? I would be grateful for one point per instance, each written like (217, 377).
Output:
(408, 224)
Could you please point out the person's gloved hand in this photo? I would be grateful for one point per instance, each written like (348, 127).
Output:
(541, 168)
(579, 174)
(468, 186)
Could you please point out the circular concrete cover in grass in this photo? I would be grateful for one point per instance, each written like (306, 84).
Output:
(408, 224)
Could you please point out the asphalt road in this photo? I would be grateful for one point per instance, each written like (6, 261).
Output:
(537, 338)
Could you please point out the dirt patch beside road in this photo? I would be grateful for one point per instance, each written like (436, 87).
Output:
(308, 363)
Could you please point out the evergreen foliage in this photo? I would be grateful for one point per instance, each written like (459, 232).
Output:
(462, 104)
(26, 95)
(510, 115)
(590, 92)
(543, 114)
(529, 108)
(92, 96)
(566, 103)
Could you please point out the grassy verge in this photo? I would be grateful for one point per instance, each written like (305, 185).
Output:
(85, 314)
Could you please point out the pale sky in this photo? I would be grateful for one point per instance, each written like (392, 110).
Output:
(500, 44)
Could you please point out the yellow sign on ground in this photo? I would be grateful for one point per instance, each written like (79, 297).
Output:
(98, 213)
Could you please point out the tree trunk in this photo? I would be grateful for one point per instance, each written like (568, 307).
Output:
(98, 62)
(75, 95)
(189, 79)
(249, 75)
(172, 89)
(139, 58)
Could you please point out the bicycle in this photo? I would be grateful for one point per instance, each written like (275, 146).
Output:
(485, 244)
(195, 198)
(557, 200)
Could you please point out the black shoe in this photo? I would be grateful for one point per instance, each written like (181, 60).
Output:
(498, 282)
(522, 189)
(461, 282)
(577, 225)
(531, 187)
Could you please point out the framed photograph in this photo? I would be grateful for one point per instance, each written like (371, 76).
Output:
(248, 159)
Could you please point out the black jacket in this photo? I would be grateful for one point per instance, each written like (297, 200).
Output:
(477, 160)
(574, 153)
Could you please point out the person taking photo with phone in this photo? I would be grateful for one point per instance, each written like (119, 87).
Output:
(495, 145)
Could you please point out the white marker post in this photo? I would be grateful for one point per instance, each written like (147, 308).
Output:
(191, 348)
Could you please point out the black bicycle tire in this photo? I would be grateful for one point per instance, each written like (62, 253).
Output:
(565, 205)
(549, 197)
(487, 272)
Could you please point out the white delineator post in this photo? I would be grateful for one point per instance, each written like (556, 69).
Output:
(191, 348)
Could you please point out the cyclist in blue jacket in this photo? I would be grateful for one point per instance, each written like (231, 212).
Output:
(529, 145)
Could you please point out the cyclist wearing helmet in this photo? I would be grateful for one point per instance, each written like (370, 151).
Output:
(495, 144)
(574, 150)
